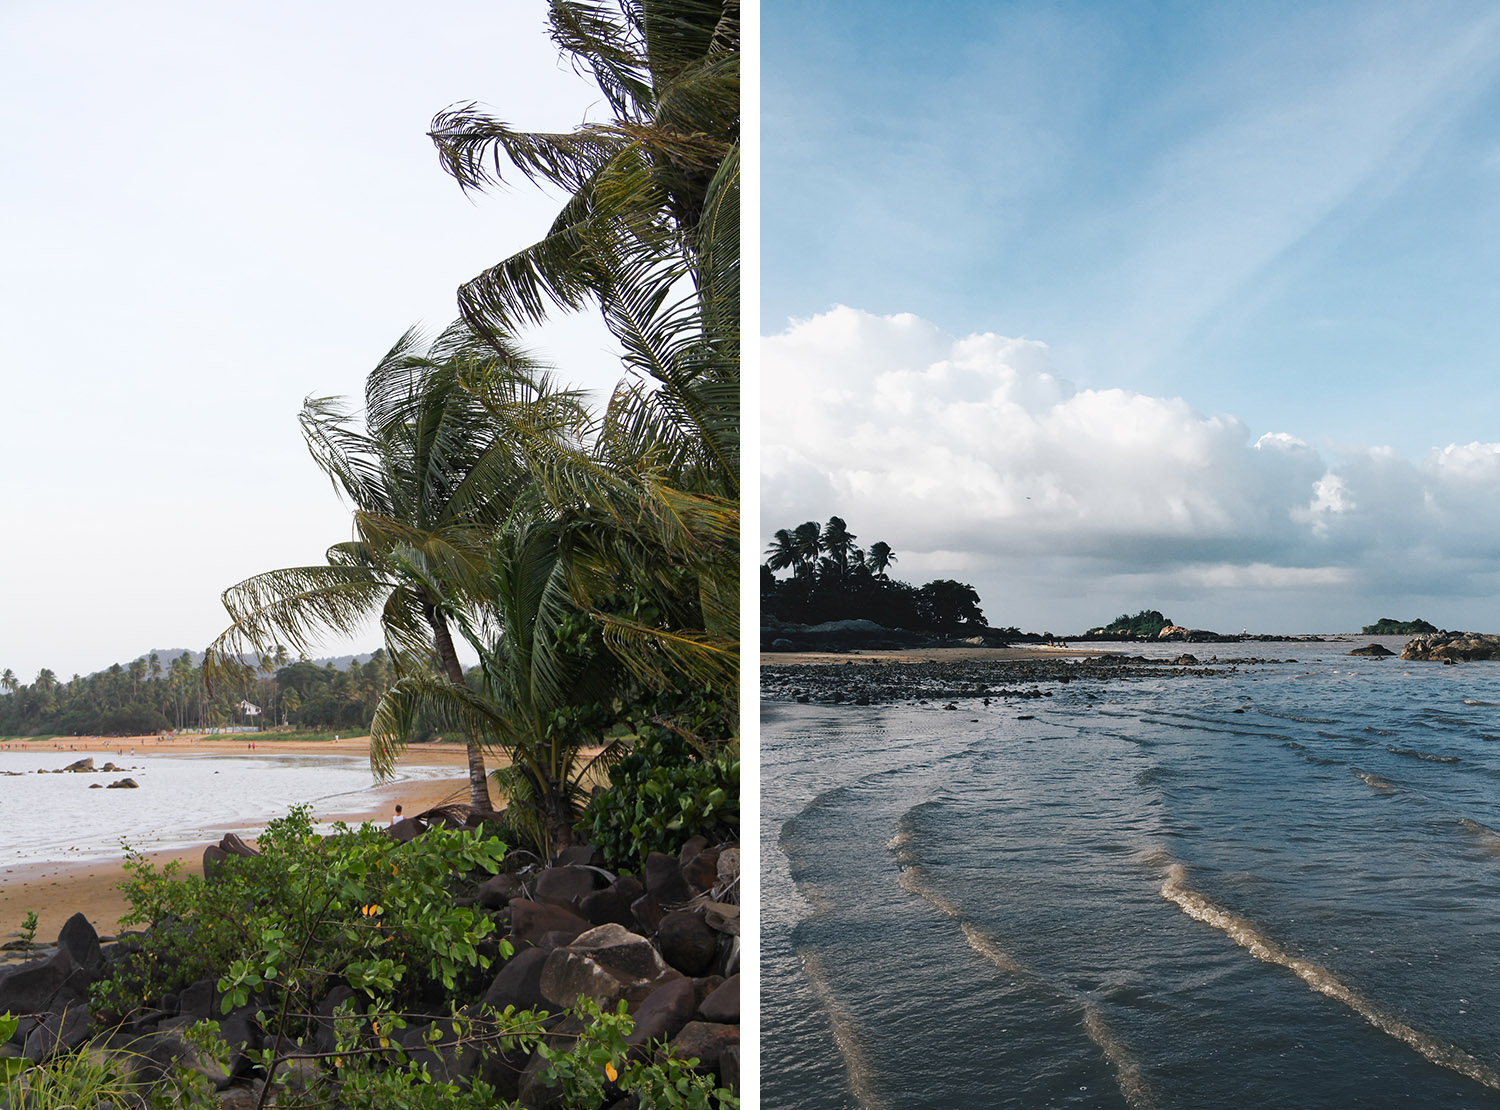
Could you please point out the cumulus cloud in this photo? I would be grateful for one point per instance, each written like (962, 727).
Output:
(970, 453)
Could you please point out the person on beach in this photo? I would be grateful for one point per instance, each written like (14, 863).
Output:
(397, 817)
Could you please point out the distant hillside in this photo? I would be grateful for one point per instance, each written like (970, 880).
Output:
(1387, 627)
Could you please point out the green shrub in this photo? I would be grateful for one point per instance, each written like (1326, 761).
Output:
(662, 794)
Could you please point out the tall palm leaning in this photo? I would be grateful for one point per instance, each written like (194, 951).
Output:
(429, 478)
(649, 234)
(542, 699)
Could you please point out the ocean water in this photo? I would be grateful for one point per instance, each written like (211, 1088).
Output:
(1277, 887)
(182, 800)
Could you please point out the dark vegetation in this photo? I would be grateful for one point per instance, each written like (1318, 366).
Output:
(150, 695)
(1385, 626)
(834, 579)
(1147, 623)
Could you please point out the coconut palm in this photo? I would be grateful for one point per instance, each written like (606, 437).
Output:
(782, 550)
(881, 557)
(669, 71)
(429, 477)
(838, 542)
(544, 692)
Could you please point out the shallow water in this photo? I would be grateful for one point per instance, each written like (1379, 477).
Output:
(1275, 887)
(182, 800)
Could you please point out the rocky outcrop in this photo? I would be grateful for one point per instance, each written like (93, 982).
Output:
(1375, 651)
(1452, 647)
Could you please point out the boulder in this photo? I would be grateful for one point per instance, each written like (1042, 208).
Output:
(708, 1042)
(603, 907)
(80, 765)
(574, 854)
(529, 921)
(62, 1030)
(78, 938)
(722, 1006)
(621, 951)
(664, 879)
(1452, 647)
(50, 983)
(519, 982)
(234, 846)
(603, 964)
(567, 884)
(123, 784)
(663, 1013)
(687, 942)
(702, 870)
(1379, 651)
(496, 891)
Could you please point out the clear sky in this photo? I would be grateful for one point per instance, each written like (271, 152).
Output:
(1103, 306)
(210, 212)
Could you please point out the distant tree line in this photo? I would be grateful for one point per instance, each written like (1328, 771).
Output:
(1147, 623)
(832, 578)
(147, 696)
(1385, 626)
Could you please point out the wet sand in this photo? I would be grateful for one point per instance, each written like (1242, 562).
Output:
(58, 890)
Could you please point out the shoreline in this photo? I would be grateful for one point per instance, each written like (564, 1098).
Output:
(56, 890)
(966, 653)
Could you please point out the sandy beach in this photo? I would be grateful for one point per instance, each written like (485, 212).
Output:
(55, 891)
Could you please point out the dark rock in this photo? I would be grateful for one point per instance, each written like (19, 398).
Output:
(445, 1059)
(532, 1092)
(1378, 650)
(197, 1001)
(496, 891)
(324, 1034)
(664, 879)
(723, 1005)
(61, 1031)
(405, 830)
(694, 845)
(702, 870)
(708, 1042)
(574, 854)
(124, 784)
(46, 984)
(603, 907)
(529, 920)
(80, 765)
(79, 940)
(664, 1012)
(1449, 647)
(621, 951)
(213, 859)
(647, 910)
(687, 943)
(519, 982)
(566, 884)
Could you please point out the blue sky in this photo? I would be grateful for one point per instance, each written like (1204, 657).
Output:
(1286, 216)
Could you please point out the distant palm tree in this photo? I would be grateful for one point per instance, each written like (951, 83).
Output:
(8, 681)
(808, 537)
(780, 553)
(838, 542)
(881, 557)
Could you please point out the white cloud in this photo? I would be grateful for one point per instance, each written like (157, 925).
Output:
(968, 454)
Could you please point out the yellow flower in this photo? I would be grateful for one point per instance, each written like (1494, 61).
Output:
(609, 1070)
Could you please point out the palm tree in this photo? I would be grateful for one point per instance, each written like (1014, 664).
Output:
(881, 558)
(8, 681)
(429, 477)
(808, 538)
(643, 181)
(838, 541)
(782, 550)
(546, 683)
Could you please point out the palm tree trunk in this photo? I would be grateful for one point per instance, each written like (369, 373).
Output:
(479, 783)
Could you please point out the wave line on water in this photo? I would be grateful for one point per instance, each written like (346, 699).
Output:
(841, 1022)
(1320, 979)
(1129, 1076)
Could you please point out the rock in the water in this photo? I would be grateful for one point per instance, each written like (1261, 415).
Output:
(123, 784)
(1449, 647)
(80, 765)
(1378, 651)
